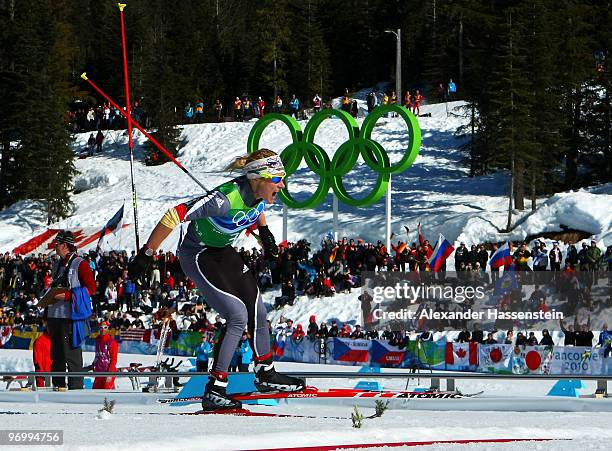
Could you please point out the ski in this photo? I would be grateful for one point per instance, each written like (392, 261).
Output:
(313, 392)
(242, 412)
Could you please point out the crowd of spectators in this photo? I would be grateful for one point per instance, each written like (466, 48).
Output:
(83, 117)
(333, 267)
(573, 335)
(87, 118)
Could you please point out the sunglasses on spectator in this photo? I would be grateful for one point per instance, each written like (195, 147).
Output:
(104, 327)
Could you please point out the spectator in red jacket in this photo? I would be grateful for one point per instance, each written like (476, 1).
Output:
(41, 353)
(169, 281)
(106, 358)
(298, 333)
(418, 98)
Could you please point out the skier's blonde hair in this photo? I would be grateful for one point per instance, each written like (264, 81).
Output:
(241, 162)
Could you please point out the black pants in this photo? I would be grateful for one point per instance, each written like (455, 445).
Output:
(63, 354)
(202, 365)
(230, 288)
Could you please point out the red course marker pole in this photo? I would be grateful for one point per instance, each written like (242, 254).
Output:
(129, 124)
(141, 128)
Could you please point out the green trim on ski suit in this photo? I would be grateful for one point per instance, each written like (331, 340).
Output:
(221, 231)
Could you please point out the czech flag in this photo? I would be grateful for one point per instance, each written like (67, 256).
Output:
(443, 250)
(385, 354)
(346, 350)
(114, 223)
(501, 257)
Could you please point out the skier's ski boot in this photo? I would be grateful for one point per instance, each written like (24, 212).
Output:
(215, 395)
(267, 379)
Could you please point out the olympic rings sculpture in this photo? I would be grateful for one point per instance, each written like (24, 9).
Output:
(331, 171)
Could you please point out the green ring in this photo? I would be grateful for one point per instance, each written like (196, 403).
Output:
(330, 172)
(380, 186)
(414, 143)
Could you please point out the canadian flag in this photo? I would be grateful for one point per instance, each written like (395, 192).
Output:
(462, 354)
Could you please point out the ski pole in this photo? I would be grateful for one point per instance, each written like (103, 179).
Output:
(139, 127)
(129, 124)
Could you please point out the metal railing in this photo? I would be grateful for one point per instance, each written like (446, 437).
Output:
(313, 375)
(435, 378)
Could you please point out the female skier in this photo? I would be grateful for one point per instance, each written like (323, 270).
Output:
(207, 257)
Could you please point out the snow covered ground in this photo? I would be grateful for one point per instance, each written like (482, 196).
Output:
(434, 191)
(140, 424)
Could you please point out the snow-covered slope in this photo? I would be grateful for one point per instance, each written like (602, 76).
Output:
(435, 191)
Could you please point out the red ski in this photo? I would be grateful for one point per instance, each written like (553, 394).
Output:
(250, 413)
(313, 392)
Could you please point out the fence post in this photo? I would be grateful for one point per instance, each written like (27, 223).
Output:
(435, 383)
(602, 388)
(450, 384)
(322, 350)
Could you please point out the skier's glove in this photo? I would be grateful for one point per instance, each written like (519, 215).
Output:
(268, 242)
(140, 266)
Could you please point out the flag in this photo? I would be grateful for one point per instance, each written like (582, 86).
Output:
(495, 358)
(428, 250)
(443, 250)
(278, 347)
(385, 354)
(5, 335)
(532, 360)
(112, 225)
(421, 237)
(501, 257)
(506, 283)
(332, 256)
(461, 354)
(132, 335)
(346, 350)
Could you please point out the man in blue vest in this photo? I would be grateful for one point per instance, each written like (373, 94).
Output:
(70, 272)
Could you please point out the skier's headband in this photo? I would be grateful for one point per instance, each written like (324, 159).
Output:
(268, 167)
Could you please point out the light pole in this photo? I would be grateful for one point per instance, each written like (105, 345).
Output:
(398, 63)
(398, 97)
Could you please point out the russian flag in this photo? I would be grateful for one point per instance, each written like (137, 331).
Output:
(279, 345)
(501, 257)
(443, 250)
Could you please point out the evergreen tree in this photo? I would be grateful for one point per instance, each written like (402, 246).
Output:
(309, 64)
(43, 158)
(545, 102)
(598, 102)
(574, 66)
(162, 94)
(275, 45)
(510, 94)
